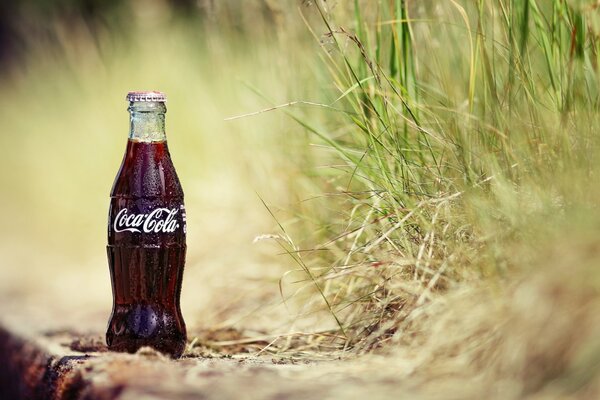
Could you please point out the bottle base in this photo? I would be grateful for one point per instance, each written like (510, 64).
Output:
(132, 327)
(171, 348)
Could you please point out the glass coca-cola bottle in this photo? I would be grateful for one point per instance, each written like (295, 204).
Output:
(146, 237)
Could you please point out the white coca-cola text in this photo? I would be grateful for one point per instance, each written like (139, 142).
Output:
(159, 220)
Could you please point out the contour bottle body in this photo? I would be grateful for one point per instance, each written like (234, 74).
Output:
(146, 237)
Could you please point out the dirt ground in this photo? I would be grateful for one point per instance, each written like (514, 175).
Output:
(42, 358)
(53, 348)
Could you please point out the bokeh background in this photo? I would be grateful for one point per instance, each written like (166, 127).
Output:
(65, 67)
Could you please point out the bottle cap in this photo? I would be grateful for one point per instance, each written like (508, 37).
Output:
(146, 96)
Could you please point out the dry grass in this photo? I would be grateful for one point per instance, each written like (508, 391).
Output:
(536, 337)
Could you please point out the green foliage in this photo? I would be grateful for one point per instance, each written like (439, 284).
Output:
(469, 127)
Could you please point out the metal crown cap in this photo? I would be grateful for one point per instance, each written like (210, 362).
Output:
(151, 95)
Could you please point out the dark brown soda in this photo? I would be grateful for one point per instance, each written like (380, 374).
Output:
(146, 259)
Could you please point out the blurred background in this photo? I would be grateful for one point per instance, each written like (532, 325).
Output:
(65, 67)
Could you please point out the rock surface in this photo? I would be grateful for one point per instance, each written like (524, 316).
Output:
(37, 363)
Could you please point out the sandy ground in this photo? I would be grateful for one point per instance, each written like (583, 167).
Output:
(71, 346)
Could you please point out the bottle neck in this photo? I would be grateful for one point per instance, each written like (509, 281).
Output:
(147, 121)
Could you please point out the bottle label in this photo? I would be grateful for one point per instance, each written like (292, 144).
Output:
(159, 220)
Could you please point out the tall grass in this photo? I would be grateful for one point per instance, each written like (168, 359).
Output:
(467, 137)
